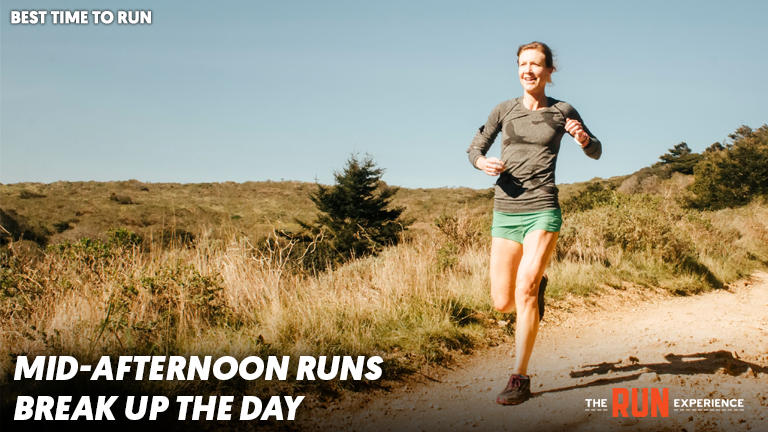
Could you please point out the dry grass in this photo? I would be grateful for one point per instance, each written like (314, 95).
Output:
(420, 302)
(649, 240)
(89, 299)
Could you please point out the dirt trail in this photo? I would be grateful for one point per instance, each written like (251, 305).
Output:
(711, 346)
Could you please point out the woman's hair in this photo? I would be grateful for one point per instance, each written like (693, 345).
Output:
(549, 60)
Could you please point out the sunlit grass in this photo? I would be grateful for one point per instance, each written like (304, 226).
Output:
(421, 302)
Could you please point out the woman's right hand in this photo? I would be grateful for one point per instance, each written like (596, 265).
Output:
(492, 166)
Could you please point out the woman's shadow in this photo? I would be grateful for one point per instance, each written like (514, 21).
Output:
(699, 363)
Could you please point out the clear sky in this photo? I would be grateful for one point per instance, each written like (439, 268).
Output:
(257, 90)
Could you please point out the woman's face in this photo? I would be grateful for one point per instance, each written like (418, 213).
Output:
(534, 75)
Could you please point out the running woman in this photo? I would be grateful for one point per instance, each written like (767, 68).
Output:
(526, 211)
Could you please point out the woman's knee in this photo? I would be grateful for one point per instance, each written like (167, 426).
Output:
(526, 284)
(504, 304)
(503, 293)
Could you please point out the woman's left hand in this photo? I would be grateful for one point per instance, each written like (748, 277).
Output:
(574, 128)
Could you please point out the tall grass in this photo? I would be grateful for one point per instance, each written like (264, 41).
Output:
(650, 240)
(422, 301)
(93, 299)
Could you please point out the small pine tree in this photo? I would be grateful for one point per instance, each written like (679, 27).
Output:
(681, 159)
(355, 214)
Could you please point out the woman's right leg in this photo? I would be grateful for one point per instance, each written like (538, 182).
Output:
(539, 246)
(518, 289)
(505, 260)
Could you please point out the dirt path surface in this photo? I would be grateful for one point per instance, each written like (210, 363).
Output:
(709, 346)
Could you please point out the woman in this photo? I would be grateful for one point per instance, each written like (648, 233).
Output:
(526, 216)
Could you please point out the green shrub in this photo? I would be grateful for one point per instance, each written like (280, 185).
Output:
(26, 194)
(173, 237)
(733, 176)
(123, 237)
(447, 257)
(595, 195)
(121, 199)
(62, 226)
(633, 224)
(87, 251)
(463, 228)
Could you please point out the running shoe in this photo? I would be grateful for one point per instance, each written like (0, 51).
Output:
(518, 390)
(542, 288)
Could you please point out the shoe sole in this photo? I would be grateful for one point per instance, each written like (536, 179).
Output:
(501, 401)
(542, 289)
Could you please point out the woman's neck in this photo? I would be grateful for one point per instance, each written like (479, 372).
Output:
(535, 101)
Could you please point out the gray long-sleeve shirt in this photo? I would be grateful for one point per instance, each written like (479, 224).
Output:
(529, 147)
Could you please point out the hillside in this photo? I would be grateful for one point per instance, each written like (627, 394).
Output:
(51, 213)
(419, 304)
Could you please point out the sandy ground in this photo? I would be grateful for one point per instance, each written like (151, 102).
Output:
(708, 346)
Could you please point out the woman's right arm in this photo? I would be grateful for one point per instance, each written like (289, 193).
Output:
(492, 166)
(484, 139)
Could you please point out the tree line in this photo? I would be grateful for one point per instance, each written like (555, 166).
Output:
(727, 174)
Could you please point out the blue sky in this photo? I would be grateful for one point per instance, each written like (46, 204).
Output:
(286, 90)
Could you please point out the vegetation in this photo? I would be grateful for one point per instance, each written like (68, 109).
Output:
(225, 287)
(681, 159)
(596, 194)
(732, 175)
(355, 216)
(254, 209)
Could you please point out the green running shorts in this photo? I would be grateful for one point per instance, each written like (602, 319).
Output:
(515, 226)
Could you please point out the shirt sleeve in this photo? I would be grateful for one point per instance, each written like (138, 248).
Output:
(485, 136)
(595, 148)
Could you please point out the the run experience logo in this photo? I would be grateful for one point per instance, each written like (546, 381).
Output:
(641, 402)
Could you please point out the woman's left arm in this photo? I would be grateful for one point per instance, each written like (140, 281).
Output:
(575, 126)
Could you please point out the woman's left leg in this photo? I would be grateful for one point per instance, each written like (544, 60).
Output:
(538, 247)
